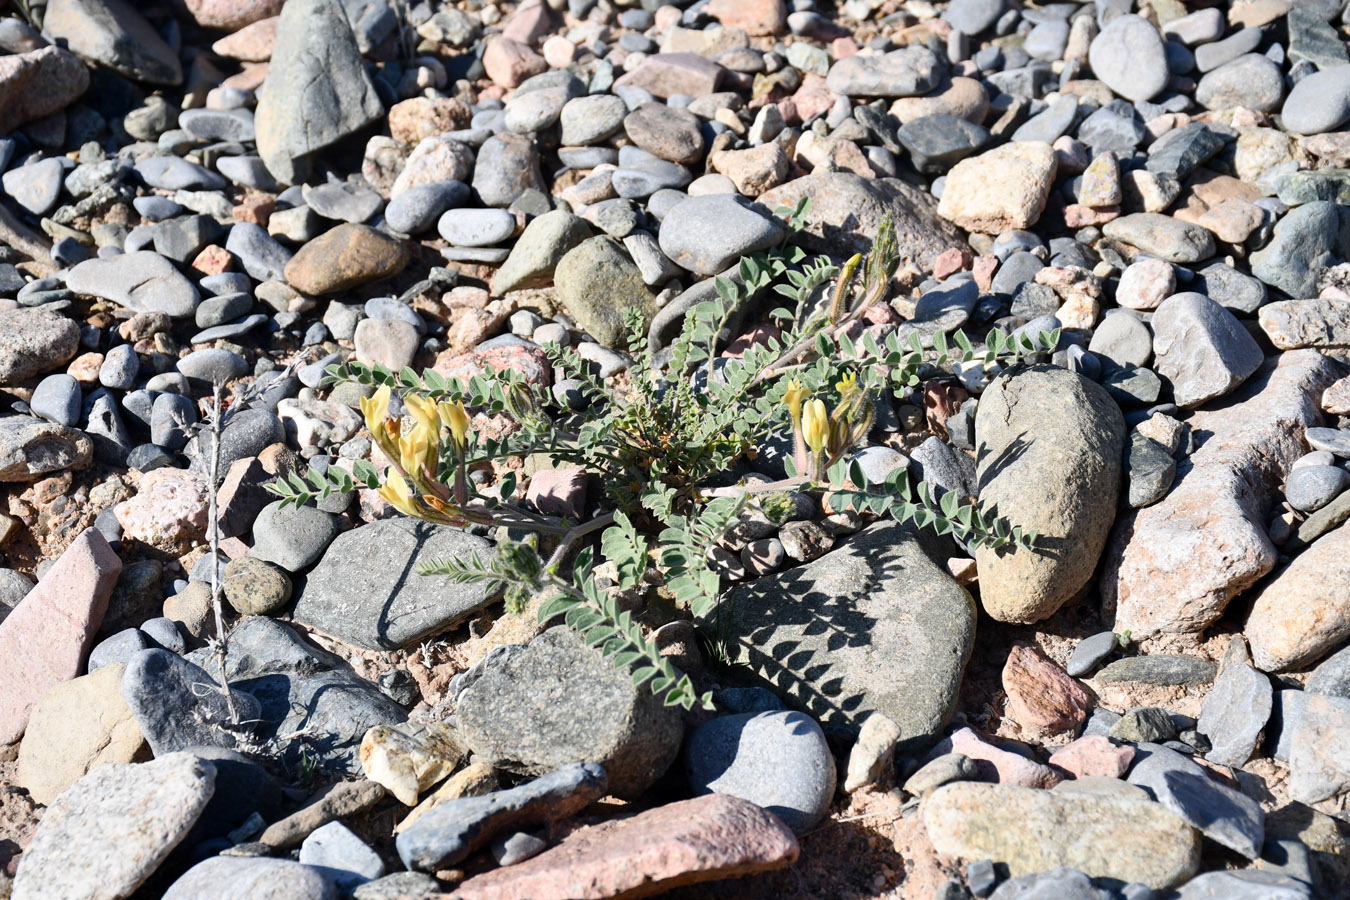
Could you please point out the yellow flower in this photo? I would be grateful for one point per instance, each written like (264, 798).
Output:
(423, 411)
(816, 424)
(398, 495)
(457, 418)
(413, 449)
(376, 409)
(794, 396)
(848, 384)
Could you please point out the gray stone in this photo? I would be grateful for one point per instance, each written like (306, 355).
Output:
(343, 201)
(1332, 676)
(874, 625)
(1202, 349)
(111, 33)
(1160, 669)
(213, 365)
(1145, 724)
(144, 809)
(1313, 39)
(142, 281)
(1221, 813)
(1149, 471)
(1216, 53)
(418, 208)
(596, 281)
(1182, 150)
(1295, 188)
(592, 119)
(507, 166)
(397, 886)
(36, 186)
(1244, 885)
(33, 341)
(973, 16)
(119, 648)
(58, 398)
(293, 537)
(262, 256)
(1319, 764)
(1309, 488)
(317, 91)
(1052, 428)
(310, 700)
(31, 448)
(1234, 713)
(476, 227)
(221, 309)
(1051, 123)
(907, 72)
(175, 173)
(246, 434)
(1307, 239)
(14, 586)
(389, 606)
(593, 712)
(1057, 884)
(456, 828)
(1251, 81)
(178, 705)
(943, 466)
(231, 125)
(1123, 339)
(1231, 289)
(1333, 440)
(120, 368)
(1162, 236)
(1318, 103)
(777, 760)
(257, 878)
(511, 849)
(938, 142)
(942, 770)
(707, 234)
(1091, 652)
(1129, 57)
(340, 856)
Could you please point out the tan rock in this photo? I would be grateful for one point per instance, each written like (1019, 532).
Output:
(1174, 566)
(753, 171)
(1001, 189)
(1304, 612)
(1040, 693)
(422, 117)
(347, 256)
(759, 18)
(191, 608)
(964, 98)
(407, 759)
(346, 798)
(252, 43)
(75, 727)
(703, 839)
(474, 780)
(38, 83)
(1035, 831)
(1336, 399)
(1321, 322)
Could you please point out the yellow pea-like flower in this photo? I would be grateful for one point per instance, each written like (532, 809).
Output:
(456, 417)
(816, 425)
(423, 411)
(414, 448)
(376, 409)
(398, 495)
(794, 396)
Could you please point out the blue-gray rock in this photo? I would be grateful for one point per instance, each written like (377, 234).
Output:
(640, 174)
(120, 368)
(879, 461)
(343, 201)
(386, 607)
(246, 434)
(342, 857)
(1216, 53)
(777, 760)
(262, 256)
(397, 886)
(973, 16)
(938, 463)
(178, 705)
(229, 125)
(1307, 239)
(181, 239)
(456, 828)
(226, 283)
(476, 227)
(247, 171)
(1160, 669)
(706, 234)
(1221, 813)
(1311, 38)
(595, 712)
(232, 330)
(907, 72)
(592, 119)
(142, 281)
(1332, 676)
(177, 174)
(163, 632)
(938, 142)
(511, 849)
(1056, 884)
(1244, 885)
(317, 90)
(1091, 652)
(1234, 713)
(1309, 488)
(170, 418)
(506, 167)
(418, 208)
(1318, 103)
(155, 208)
(213, 365)
(1201, 348)
(117, 648)
(1051, 123)
(102, 422)
(112, 33)
(1129, 57)
(58, 399)
(256, 877)
(1333, 440)
(304, 692)
(37, 186)
(222, 308)
(1149, 471)
(893, 637)
(1251, 81)
(293, 537)
(1231, 289)
(1182, 150)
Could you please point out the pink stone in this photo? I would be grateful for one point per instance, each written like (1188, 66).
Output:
(509, 62)
(242, 496)
(759, 18)
(983, 269)
(252, 43)
(169, 510)
(813, 98)
(529, 362)
(1040, 693)
(995, 764)
(47, 637)
(37, 84)
(667, 74)
(559, 51)
(949, 262)
(707, 838)
(1095, 754)
(559, 492)
(843, 48)
(530, 22)
(231, 15)
(1076, 215)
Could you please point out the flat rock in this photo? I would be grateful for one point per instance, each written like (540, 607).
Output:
(1001, 189)
(389, 606)
(449, 832)
(1128, 56)
(776, 760)
(1162, 236)
(907, 72)
(1303, 613)
(707, 234)
(1056, 430)
(846, 211)
(178, 705)
(874, 624)
(39, 83)
(113, 34)
(143, 809)
(31, 448)
(1159, 669)
(1292, 324)
(704, 839)
(1318, 103)
(45, 639)
(1174, 566)
(143, 282)
(33, 341)
(1040, 693)
(317, 91)
(537, 252)
(1221, 813)
(1033, 830)
(343, 258)
(1243, 885)
(258, 878)
(1319, 767)
(556, 701)
(1201, 348)
(1234, 713)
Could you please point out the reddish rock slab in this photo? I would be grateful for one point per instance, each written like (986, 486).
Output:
(759, 18)
(1173, 567)
(47, 637)
(1303, 613)
(683, 843)
(667, 74)
(529, 362)
(252, 43)
(1041, 694)
(37, 84)
(509, 62)
(231, 15)
(1095, 754)
(996, 764)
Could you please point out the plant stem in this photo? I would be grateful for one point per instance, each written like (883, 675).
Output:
(575, 534)
(213, 524)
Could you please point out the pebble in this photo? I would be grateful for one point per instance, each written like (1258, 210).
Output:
(1001, 189)
(706, 234)
(340, 856)
(255, 587)
(58, 399)
(1318, 103)
(225, 877)
(143, 282)
(1129, 57)
(476, 227)
(907, 72)
(292, 538)
(415, 210)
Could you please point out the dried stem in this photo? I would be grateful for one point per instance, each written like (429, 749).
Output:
(213, 526)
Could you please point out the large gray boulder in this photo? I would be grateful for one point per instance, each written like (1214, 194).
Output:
(1050, 445)
(874, 625)
(535, 708)
(111, 33)
(143, 282)
(317, 91)
(367, 592)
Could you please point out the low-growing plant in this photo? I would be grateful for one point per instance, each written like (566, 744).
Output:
(660, 441)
